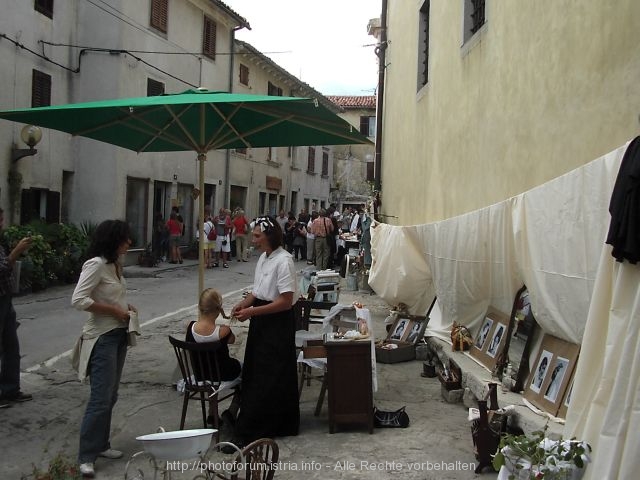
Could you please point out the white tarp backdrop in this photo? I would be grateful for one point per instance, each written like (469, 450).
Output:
(550, 239)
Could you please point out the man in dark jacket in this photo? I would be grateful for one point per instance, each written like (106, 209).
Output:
(9, 345)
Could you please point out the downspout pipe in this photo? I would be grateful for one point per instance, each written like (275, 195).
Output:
(227, 161)
(380, 52)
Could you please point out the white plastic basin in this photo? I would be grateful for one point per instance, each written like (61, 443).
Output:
(178, 444)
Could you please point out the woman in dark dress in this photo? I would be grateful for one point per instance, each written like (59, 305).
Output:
(269, 405)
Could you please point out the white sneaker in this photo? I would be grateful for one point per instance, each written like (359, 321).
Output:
(86, 469)
(111, 453)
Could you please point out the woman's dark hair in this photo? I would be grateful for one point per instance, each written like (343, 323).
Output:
(271, 228)
(108, 237)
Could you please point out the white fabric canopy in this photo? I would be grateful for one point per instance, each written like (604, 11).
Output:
(605, 400)
(550, 239)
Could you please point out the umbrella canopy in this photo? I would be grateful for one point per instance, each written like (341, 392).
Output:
(196, 120)
(199, 121)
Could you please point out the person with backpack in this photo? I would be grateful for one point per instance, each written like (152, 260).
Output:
(223, 226)
(209, 241)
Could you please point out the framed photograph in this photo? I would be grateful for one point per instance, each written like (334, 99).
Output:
(491, 338)
(540, 372)
(483, 334)
(497, 339)
(564, 406)
(557, 375)
(399, 330)
(549, 380)
(412, 332)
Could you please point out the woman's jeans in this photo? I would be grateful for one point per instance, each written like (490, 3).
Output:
(105, 369)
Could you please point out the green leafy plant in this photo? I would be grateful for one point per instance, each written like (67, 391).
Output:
(88, 229)
(60, 468)
(538, 457)
(33, 275)
(56, 254)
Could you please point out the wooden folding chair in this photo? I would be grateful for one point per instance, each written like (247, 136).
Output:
(200, 371)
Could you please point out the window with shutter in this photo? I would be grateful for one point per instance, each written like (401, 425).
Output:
(370, 171)
(423, 45)
(325, 162)
(311, 160)
(209, 38)
(154, 88)
(244, 74)
(273, 90)
(159, 14)
(40, 89)
(45, 7)
(474, 18)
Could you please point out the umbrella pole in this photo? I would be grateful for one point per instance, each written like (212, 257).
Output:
(202, 157)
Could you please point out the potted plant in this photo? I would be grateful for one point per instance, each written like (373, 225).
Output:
(537, 457)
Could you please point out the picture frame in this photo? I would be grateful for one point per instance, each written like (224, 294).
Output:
(400, 329)
(552, 371)
(564, 406)
(412, 332)
(491, 338)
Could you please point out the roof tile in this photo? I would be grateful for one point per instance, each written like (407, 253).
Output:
(354, 101)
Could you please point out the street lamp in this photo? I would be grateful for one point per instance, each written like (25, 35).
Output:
(30, 135)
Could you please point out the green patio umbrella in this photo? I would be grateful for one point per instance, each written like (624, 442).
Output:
(199, 121)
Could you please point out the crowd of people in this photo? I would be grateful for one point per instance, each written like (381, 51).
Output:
(315, 237)
(312, 237)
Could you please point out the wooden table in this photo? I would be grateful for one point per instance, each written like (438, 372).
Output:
(349, 382)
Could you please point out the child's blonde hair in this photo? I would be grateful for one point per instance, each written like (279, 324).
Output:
(211, 302)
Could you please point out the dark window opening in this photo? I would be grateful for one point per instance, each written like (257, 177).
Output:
(477, 15)
(244, 74)
(370, 171)
(154, 88)
(40, 89)
(368, 126)
(45, 7)
(423, 50)
(39, 204)
(273, 90)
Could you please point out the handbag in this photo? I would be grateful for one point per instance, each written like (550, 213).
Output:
(211, 236)
(461, 338)
(394, 419)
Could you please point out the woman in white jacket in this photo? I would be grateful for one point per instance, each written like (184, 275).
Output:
(101, 291)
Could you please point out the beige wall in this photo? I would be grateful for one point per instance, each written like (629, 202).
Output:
(541, 89)
(350, 170)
